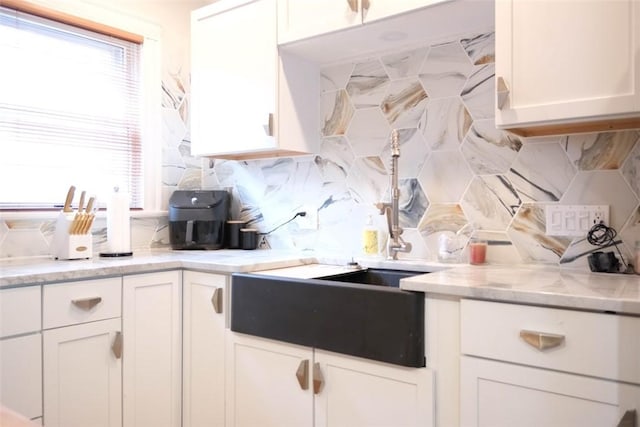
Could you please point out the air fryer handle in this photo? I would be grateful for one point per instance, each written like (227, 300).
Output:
(189, 235)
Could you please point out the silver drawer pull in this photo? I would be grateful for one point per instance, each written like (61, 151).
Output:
(116, 348)
(302, 374)
(87, 303)
(629, 419)
(502, 93)
(318, 379)
(216, 300)
(541, 340)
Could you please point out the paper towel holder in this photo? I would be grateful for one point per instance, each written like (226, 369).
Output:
(111, 220)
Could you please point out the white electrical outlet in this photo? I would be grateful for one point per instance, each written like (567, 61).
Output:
(310, 220)
(574, 220)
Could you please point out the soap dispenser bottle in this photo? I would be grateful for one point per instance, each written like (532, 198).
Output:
(370, 238)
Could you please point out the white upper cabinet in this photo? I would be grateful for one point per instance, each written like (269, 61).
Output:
(563, 64)
(247, 101)
(378, 9)
(233, 77)
(301, 19)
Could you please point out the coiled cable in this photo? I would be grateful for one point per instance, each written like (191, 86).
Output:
(604, 236)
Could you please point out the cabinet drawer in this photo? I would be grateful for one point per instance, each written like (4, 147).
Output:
(19, 311)
(595, 344)
(78, 302)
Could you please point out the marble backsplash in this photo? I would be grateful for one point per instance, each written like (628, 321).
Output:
(459, 176)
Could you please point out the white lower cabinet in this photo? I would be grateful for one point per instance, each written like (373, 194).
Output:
(539, 366)
(262, 386)
(82, 375)
(496, 394)
(203, 370)
(357, 392)
(21, 374)
(152, 365)
(21, 350)
(276, 384)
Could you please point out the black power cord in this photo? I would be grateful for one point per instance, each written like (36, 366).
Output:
(285, 223)
(604, 236)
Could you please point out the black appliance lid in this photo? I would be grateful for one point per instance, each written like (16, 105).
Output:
(197, 199)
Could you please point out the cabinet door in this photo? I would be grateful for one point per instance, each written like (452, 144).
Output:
(152, 365)
(21, 374)
(203, 349)
(82, 376)
(384, 8)
(558, 67)
(358, 392)
(233, 77)
(495, 394)
(301, 19)
(262, 386)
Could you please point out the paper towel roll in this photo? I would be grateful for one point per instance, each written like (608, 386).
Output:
(118, 227)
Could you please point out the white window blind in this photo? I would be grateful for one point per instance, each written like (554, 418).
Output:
(69, 113)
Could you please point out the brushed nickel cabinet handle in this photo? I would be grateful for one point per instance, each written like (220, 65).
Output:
(302, 374)
(268, 128)
(87, 303)
(502, 93)
(116, 347)
(216, 300)
(353, 5)
(318, 379)
(365, 5)
(629, 419)
(541, 340)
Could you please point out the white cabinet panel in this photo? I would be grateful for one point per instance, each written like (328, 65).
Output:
(498, 394)
(21, 374)
(262, 387)
(492, 330)
(152, 364)
(233, 77)
(20, 310)
(300, 19)
(203, 349)
(567, 61)
(358, 392)
(379, 9)
(78, 302)
(82, 376)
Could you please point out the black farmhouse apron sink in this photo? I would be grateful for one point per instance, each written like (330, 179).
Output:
(361, 313)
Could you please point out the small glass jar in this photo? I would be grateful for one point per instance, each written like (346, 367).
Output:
(477, 251)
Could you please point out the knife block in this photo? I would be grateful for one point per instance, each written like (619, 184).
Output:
(70, 246)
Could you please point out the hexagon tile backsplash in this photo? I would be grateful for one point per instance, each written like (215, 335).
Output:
(459, 175)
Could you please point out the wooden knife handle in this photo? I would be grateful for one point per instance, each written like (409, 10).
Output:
(90, 204)
(67, 202)
(81, 202)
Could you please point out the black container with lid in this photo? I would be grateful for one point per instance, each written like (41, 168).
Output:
(197, 219)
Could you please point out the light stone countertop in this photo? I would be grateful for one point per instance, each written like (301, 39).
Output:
(47, 270)
(539, 285)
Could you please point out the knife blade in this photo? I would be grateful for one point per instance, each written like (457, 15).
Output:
(69, 199)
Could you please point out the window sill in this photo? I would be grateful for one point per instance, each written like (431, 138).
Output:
(52, 215)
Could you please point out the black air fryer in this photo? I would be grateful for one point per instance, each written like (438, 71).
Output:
(197, 219)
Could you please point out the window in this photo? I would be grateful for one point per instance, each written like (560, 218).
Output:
(69, 112)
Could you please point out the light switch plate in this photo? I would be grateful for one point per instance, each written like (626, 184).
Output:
(574, 220)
